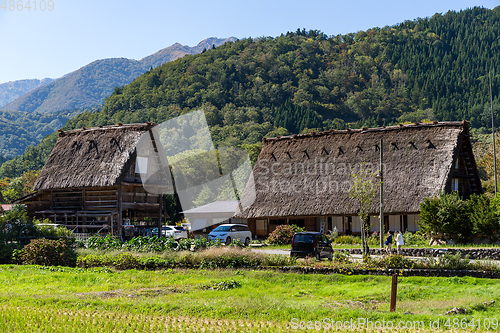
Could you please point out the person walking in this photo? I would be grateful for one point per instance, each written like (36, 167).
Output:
(399, 240)
(388, 242)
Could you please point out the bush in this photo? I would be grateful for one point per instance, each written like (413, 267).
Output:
(392, 261)
(415, 239)
(6, 252)
(460, 219)
(347, 239)
(342, 257)
(332, 234)
(46, 252)
(484, 216)
(283, 234)
(211, 258)
(126, 261)
(447, 214)
(448, 261)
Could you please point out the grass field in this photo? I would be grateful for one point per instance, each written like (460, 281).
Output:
(34, 299)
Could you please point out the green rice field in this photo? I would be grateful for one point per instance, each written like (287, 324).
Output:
(41, 299)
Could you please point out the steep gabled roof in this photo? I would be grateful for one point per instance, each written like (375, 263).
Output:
(309, 175)
(91, 157)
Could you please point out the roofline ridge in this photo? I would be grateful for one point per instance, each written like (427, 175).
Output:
(146, 125)
(367, 130)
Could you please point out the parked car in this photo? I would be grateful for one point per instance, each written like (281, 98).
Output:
(229, 232)
(171, 231)
(311, 244)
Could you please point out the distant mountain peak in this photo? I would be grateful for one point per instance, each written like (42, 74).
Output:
(178, 50)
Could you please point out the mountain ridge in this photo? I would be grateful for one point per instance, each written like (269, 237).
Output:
(11, 90)
(89, 85)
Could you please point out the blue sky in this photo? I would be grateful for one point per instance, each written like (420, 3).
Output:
(39, 44)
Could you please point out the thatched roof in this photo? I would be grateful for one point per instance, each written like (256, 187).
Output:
(309, 175)
(91, 157)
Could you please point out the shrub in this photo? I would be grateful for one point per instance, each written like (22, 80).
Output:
(415, 239)
(46, 252)
(460, 219)
(103, 243)
(448, 261)
(484, 216)
(126, 261)
(447, 214)
(332, 234)
(6, 252)
(184, 244)
(237, 243)
(392, 261)
(347, 239)
(283, 234)
(223, 285)
(341, 257)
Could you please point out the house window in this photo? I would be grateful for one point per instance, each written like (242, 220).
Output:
(298, 222)
(454, 184)
(141, 165)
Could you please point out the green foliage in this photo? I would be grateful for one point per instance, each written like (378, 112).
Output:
(46, 252)
(449, 261)
(283, 234)
(484, 216)
(347, 239)
(211, 258)
(341, 257)
(363, 190)
(103, 243)
(33, 158)
(332, 234)
(223, 285)
(460, 219)
(148, 244)
(392, 261)
(446, 214)
(418, 238)
(15, 225)
(6, 252)
(50, 231)
(19, 130)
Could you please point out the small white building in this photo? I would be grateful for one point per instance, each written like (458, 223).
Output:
(215, 213)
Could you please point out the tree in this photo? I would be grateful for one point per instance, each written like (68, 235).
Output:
(363, 190)
(447, 214)
(484, 216)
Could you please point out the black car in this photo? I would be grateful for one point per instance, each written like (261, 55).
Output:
(311, 244)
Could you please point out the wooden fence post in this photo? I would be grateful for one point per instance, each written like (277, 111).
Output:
(394, 291)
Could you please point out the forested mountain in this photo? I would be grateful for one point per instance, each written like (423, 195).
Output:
(91, 84)
(434, 68)
(9, 91)
(18, 130)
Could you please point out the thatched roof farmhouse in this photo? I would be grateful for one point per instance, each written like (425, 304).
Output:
(304, 179)
(92, 180)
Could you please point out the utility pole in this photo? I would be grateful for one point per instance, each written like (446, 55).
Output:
(493, 133)
(381, 177)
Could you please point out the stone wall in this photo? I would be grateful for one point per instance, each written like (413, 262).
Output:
(480, 253)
